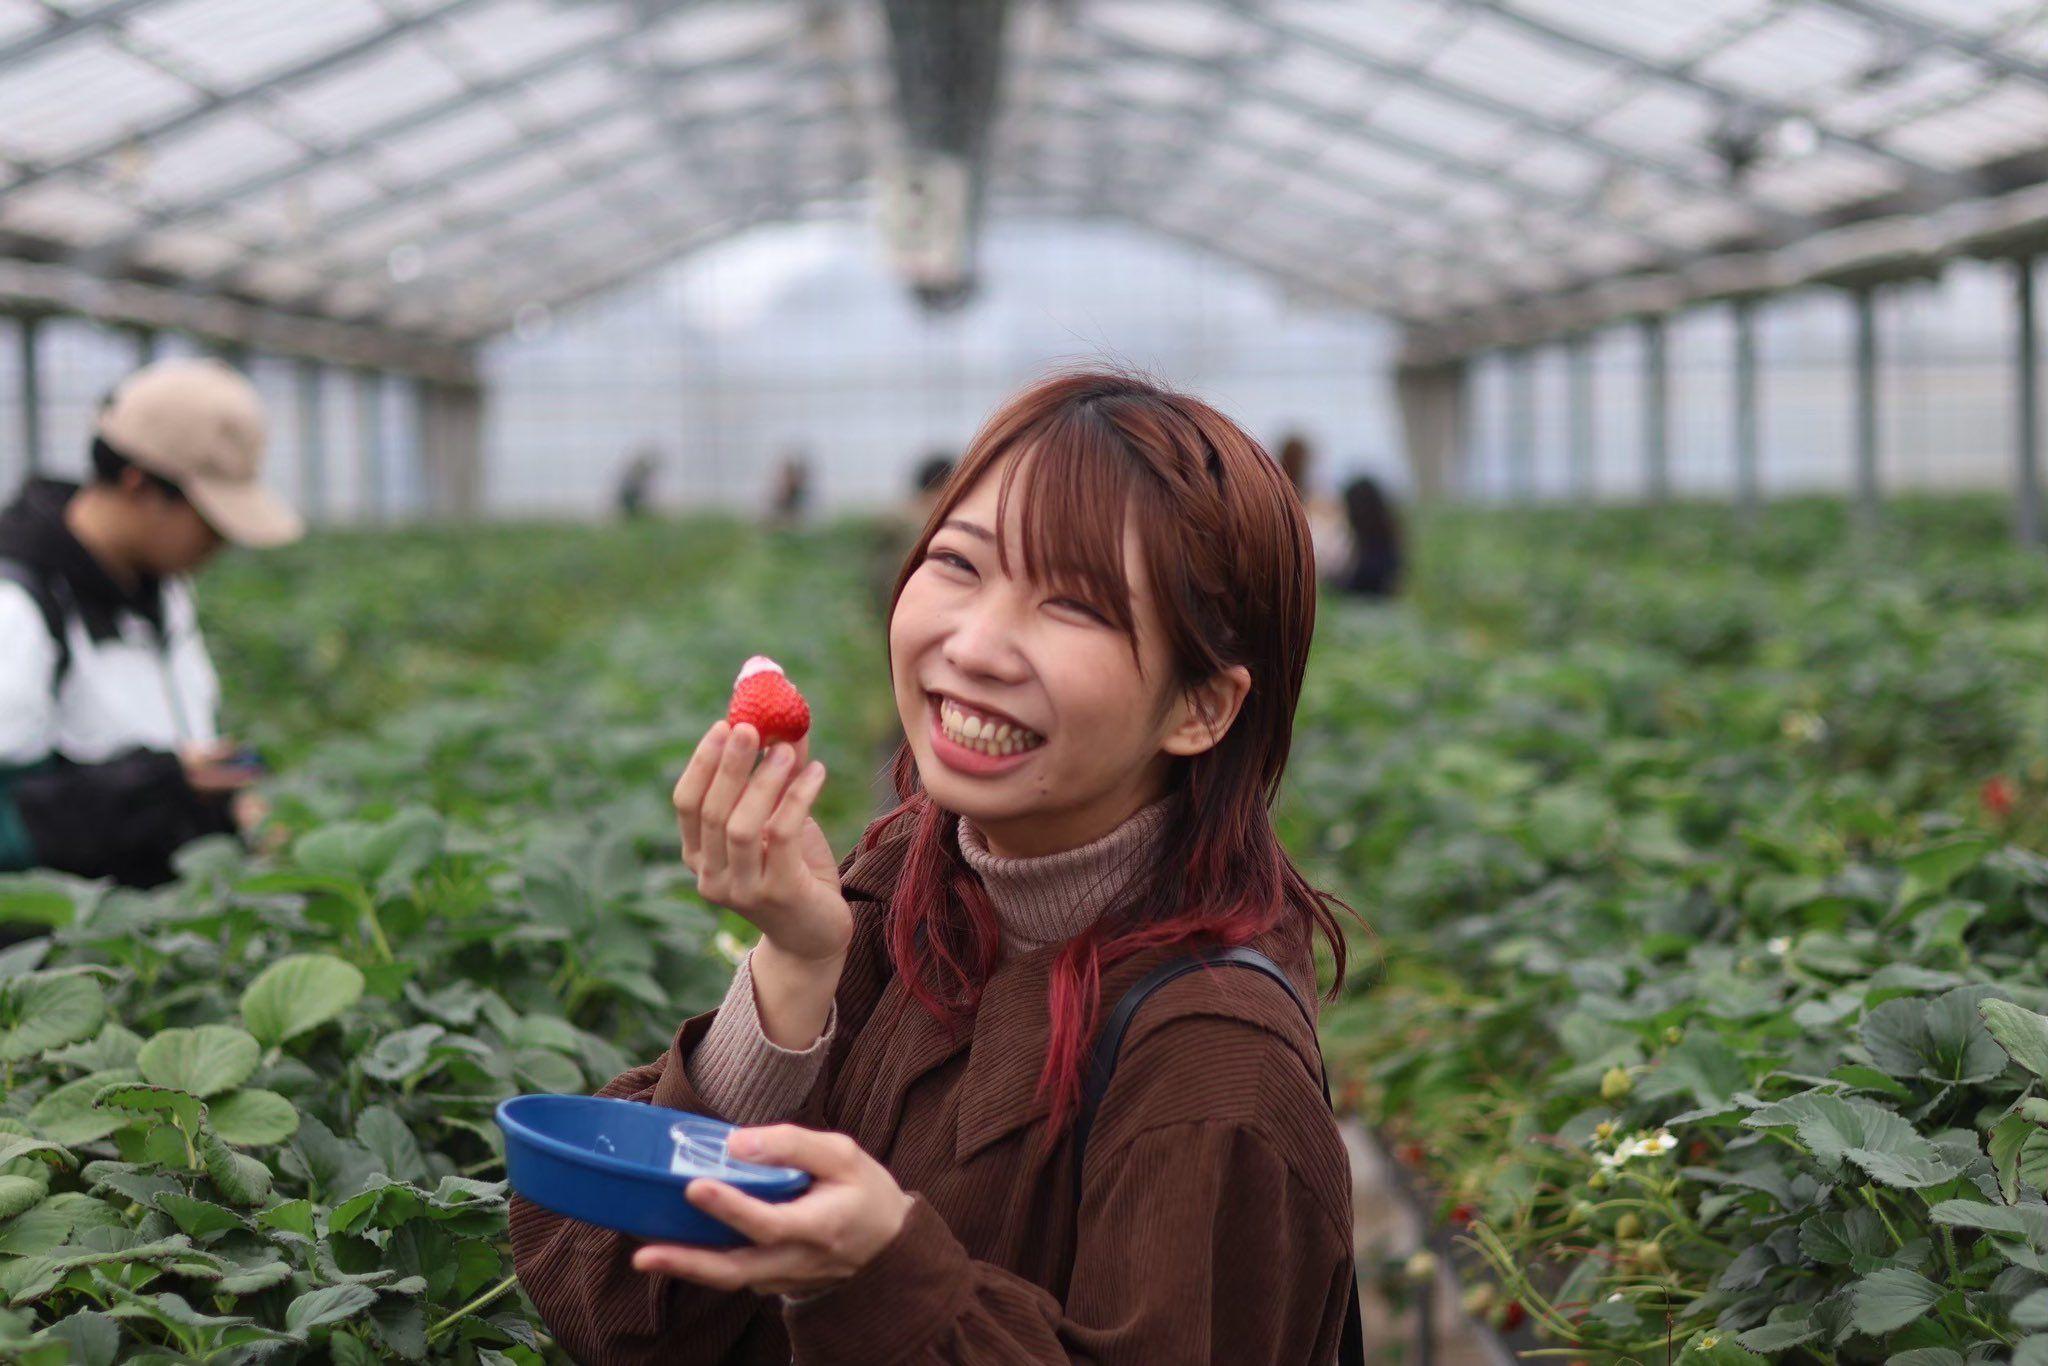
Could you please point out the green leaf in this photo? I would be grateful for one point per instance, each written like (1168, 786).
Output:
(200, 1219)
(254, 1116)
(397, 1151)
(1839, 1239)
(329, 1304)
(92, 1338)
(21, 1193)
(2019, 1152)
(1887, 1300)
(384, 1206)
(114, 1048)
(2031, 1312)
(293, 1216)
(1933, 868)
(2031, 1351)
(2022, 1033)
(205, 1061)
(1926, 1356)
(241, 1180)
(140, 1098)
(1780, 1335)
(297, 994)
(67, 1114)
(1837, 1129)
(397, 1056)
(44, 1010)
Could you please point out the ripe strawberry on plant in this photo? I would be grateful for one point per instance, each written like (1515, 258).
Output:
(764, 698)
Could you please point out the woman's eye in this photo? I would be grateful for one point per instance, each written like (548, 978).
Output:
(950, 559)
(1076, 605)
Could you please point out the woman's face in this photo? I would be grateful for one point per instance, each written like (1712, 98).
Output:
(1025, 709)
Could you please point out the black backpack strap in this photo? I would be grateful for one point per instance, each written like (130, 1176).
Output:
(45, 596)
(1102, 1066)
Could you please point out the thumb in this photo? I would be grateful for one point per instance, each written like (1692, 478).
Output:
(792, 1145)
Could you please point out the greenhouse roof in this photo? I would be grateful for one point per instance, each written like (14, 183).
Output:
(427, 169)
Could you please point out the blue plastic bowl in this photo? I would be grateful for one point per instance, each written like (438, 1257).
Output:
(608, 1162)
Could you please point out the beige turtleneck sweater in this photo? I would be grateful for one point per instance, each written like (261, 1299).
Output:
(1037, 901)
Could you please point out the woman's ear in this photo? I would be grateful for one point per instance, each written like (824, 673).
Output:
(1204, 713)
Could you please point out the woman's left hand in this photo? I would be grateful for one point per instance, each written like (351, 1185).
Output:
(851, 1212)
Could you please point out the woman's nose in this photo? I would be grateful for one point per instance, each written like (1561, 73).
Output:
(983, 642)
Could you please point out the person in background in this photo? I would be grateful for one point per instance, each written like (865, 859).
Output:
(792, 493)
(636, 481)
(1327, 534)
(932, 473)
(1374, 569)
(110, 759)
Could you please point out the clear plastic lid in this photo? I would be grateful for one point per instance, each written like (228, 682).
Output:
(700, 1151)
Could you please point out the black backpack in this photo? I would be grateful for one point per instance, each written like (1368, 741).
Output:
(48, 596)
(1102, 1066)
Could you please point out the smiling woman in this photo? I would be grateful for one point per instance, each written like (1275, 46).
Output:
(1095, 649)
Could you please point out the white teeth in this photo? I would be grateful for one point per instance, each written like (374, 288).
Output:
(988, 736)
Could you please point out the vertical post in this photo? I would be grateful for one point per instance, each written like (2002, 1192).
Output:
(1579, 362)
(312, 438)
(1656, 411)
(1522, 439)
(2027, 519)
(1433, 410)
(147, 344)
(370, 440)
(31, 393)
(1748, 483)
(1865, 429)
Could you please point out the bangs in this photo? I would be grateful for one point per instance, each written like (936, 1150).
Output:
(1077, 482)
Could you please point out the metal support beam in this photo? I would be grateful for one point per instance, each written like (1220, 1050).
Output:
(30, 374)
(1865, 433)
(1748, 484)
(1926, 33)
(2027, 511)
(312, 420)
(1579, 365)
(1920, 175)
(1435, 413)
(370, 445)
(1521, 441)
(385, 35)
(58, 28)
(148, 344)
(1656, 411)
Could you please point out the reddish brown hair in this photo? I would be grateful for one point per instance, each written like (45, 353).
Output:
(1226, 550)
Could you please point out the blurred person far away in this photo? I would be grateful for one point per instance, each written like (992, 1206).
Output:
(1329, 539)
(1374, 567)
(110, 759)
(636, 483)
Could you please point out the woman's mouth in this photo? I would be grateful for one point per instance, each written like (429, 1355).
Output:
(973, 741)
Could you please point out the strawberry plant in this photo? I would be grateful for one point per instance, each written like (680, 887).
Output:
(247, 1115)
(1704, 971)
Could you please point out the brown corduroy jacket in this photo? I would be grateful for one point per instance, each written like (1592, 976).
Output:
(1214, 1225)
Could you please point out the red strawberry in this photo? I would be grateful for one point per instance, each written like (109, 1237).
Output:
(764, 698)
(1514, 1316)
(1998, 795)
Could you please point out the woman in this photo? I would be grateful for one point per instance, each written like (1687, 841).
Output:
(1096, 648)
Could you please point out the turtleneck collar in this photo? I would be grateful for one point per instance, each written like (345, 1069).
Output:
(1053, 897)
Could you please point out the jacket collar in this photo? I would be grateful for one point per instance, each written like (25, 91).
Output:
(33, 532)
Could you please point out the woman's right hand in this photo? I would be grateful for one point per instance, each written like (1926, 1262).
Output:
(749, 836)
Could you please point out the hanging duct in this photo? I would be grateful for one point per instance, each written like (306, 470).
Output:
(946, 57)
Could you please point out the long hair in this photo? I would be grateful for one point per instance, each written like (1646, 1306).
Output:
(1226, 551)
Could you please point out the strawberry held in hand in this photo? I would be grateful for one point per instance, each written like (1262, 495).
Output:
(765, 699)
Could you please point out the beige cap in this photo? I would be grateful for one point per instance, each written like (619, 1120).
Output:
(200, 425)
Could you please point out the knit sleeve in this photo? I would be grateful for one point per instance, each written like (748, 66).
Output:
(742, 1074)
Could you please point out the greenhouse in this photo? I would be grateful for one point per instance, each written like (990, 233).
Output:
(797, 561)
